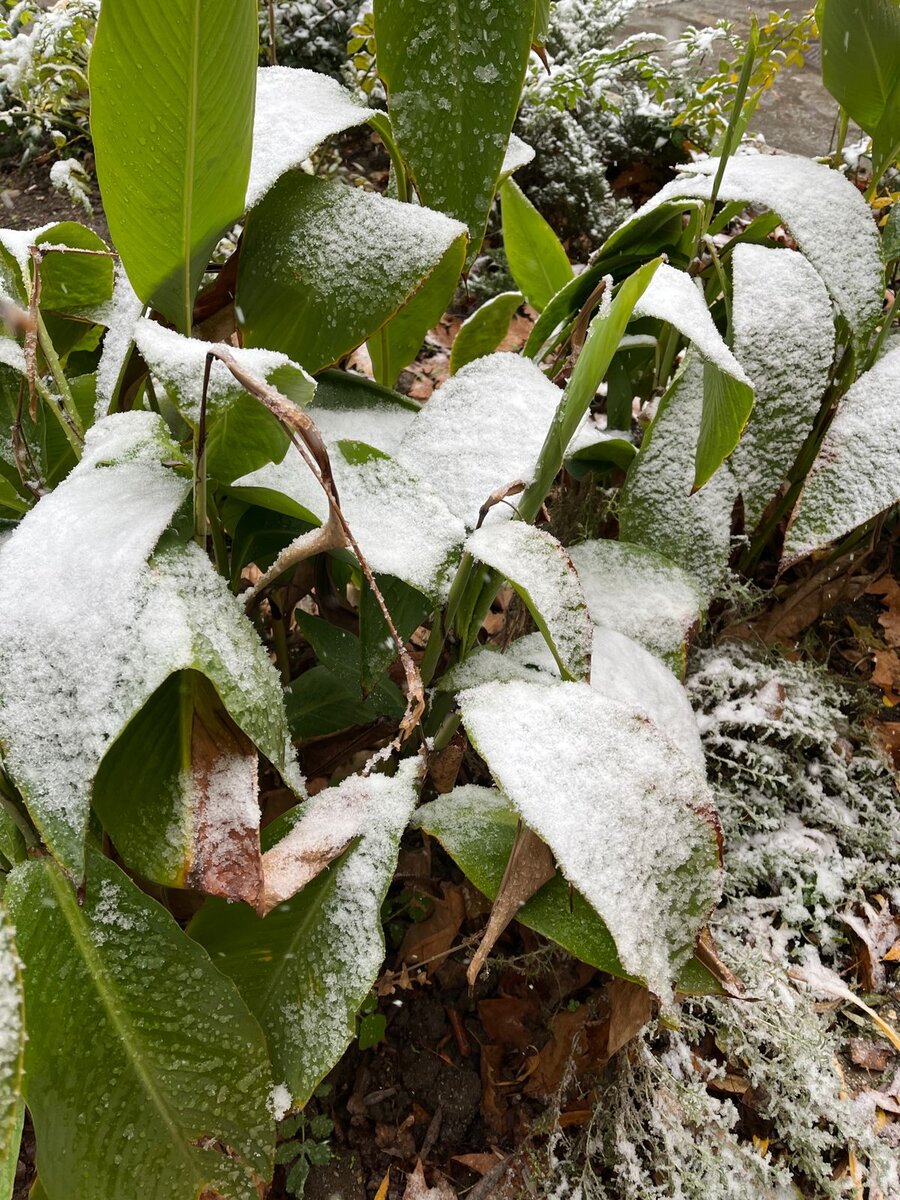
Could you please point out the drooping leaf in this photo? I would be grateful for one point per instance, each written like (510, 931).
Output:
(824, 212)
(642, 594)
(12, 1051)
(453, 71)
(324, 266)
(597, 448)
(169, 1091)
(856, 475)
(483, 332)
(658, 510)
(296, 110)
(775, 290)
(673, 297)
(242, 435)
(476, 826)
(629, 818)
(305, 969)
(542, 573)
(537, 261)
(172, 93)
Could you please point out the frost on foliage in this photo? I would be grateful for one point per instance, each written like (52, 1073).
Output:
(541, 571)
(658, 510)
(296, 110)
(621, 669)
(825, 213)
(12, 1039)
(69, 176)
(811, 817)
(857, 473)
(642, 594)
(315, 957)
(775, 291)
(481, 431)
(627, 815)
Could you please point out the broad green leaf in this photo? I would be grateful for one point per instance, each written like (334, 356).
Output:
(296, 110)
(595, 448)
(259, 537)
(674, 298)
(324, 266)
(886, 138)
(318, 703)
(305, 969)
(177, 790)
(73, 670)
(774, 290)
(242, 434)
(861, 66)
(339, 651)
(167, 1097)
(659, 509)
(408, 608)
(541, 571)
(453, 71)
(483, 332)
(537, 261)
(827, 216)
(628, 816)
(72, 282)
(857, 473)
(12, 1051)
(477, 828)
(642, 594)
(172, 95)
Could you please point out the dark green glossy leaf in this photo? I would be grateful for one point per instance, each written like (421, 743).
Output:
(861, 57)
(319, 704)
(167, 1097)
(339, 651)
(408, 609)
(483, 332)
(72, 282)
(537, 261)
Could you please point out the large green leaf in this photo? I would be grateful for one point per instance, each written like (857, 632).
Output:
(541, 571)
(537, 261)
(477, 828)
(172, 95)
(305, 969)
(483, 332)
(12, 1050)
(628, 816)
(454, 70)
(145, 1074)
(72, 282)
(324, 266)
(857, 473)
(861, 67)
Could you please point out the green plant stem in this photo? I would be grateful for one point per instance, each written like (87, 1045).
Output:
(220, 550)
(731, 138)
(67, 401)
(432, 655)
(380, 122)
(723, 283)
(843, 126)
(53, 403)
(200, 514)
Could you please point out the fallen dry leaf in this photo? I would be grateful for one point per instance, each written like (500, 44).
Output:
(493, 1103)
(479, 1163)
(510, 1020)
(872, 1056)
(875, 932)
(418, 1189)
(630, 1009)
(428, 940)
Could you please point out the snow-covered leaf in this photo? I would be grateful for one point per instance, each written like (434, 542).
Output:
(773, 291)
(477, 826)
(453, 72)
(12, 1050)
(627, 815)
(642, 594)
(518, 154)
(483, 332)
(324, 266)
(305, 969)
(826, 214)
(174, 1069)
(541, 571)
(658, 509)
(673, 297)
(594, 446)
(857, 473)
(120, 317)
(241, 435)
(296, 110)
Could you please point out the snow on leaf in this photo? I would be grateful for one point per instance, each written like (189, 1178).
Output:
(541, 571)
(12, 1046)
(825, 213)
(775, 291)
(857, 473)
(305, 969)
(518, 154)
(658, 510)
(120, 317)
(296, 110)
(642, 594)
(627, 815)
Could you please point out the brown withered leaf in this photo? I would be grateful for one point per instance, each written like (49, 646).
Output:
(511, 1020)
(806, 602)
(887, 671)
(427, 941)
(418, 1189)
(872, 1056)
(493, 1102)
(630, 1009)
(566, 1042)
(889, 590)
(530, 866)
(705, 952)
(875, 931)
(443, 766)
(479, 1163)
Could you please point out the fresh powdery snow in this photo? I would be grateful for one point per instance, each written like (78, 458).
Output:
(119, 316)
(825, 213)
(619, 805)
(518, 154)
(857, 473)
(296, 110)
(775, 291)
(541, 571)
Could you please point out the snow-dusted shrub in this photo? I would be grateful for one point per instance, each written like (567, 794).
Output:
(311, 33)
